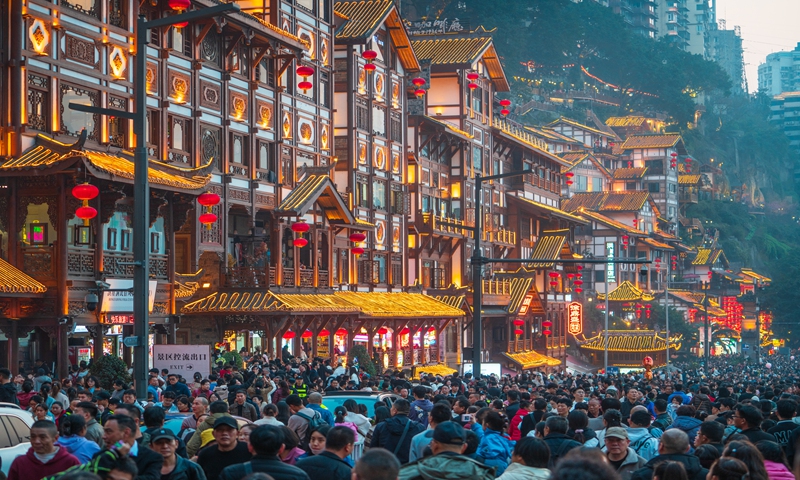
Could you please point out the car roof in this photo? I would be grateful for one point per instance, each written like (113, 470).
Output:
(354, 393)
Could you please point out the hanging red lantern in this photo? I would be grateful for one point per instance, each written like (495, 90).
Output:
(324, 333)
(419, 93)
(518, 332)
(472, 85)
(688, 165)
(208, 200)
(357, 237)
(431, 329)
(341, 332)
(625, 239)
(578, 282)
(300, 228)
(505, 103)
(179, 5)
(405, 331)
(635, 223)
(579, 275)
(554, 274)
(289, 335)
(569, 176)
(357, 251)
(504, 112)
(547, 333)
(554, 283)
(369, 55)
(305, 72)
(207, 219)
(710, 274)
(307, 334)
(630, 164)
(611, 144)
(579, 267)
(305, 86)
(370, 67)
(300, 242)
(383, 331)
(472, 76)
(418, 82)
(570, 276)
(180, 25)
(547, 324)
(578, 290)
(519, 322)
(85, 192)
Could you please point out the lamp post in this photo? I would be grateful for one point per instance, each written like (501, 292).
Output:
(141, 184)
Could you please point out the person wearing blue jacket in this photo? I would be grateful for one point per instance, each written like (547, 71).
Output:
(495, 449)
(685, 421)
(421, 406)
(72, 431)
(679, 393)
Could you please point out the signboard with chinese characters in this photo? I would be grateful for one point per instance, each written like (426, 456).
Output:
(526, 304)
(438, 26)
(117, 319)
(610, 267)
(119, 301)
(184, 360)
(575, 318)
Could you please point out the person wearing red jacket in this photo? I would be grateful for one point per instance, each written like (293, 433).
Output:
(44, 458)
(525, 407)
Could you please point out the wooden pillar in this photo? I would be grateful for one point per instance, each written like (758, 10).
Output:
(13, 229)
(315, 256)
(170, 238)
(278, 252)
(13, 341)
(62, 357)
(97, 351)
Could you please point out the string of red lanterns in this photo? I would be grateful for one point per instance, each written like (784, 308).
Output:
(546, 325)
(357, 238)
(85, 192)
(553, 277)
(569, 176)
(300, 228)
(208, 200)
(674, 160)
(180, 6)
(305, 72)
(369, 56)
(688, 165)
(419, 83)
(505, 103)
(472, 77)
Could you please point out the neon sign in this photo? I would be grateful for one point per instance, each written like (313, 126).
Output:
(575, 319)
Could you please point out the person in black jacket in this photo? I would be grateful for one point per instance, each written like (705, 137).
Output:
(555, 436)
(395, 433)
(330, 464)
(122, 428)
(748, 419)
(673, 446)
(266, 444)
(165, 443)
(8, 393)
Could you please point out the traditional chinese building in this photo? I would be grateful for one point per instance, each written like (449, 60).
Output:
(627, 348)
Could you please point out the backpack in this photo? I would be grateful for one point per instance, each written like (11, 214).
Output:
(313, 423)
(638, 444)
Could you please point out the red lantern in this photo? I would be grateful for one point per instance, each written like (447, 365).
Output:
(579, 275)
(579, 282)
(472, 76)
(341, 332)
(305, 86)
(518, 332)
(505, 103)
(324, 332)
(578, 290)
(289, 335)
(208, 199)
(504, 112)
(547, 333)
(179, 5)
(300, 228)
(553, 283)
(307, 334)
(419, 93)
(579, 267)
(625, 239)
(370, 67)
(554, 274)
(405, 331)
(431, 329)
(383, 331)
(305, 72)
(472, 85)
(710, 274)
(630, 164)
(519, 322)
(85, 192)
(207, 219)
(357, 237)
(300, 242)
(570, 276)
(635, 223)
(357, 251)
(369, 55)
(611, 144)
(547, 324)
(418, 82)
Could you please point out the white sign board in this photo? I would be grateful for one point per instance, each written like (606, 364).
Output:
(184, 360)
(122, 302)
(486, 369)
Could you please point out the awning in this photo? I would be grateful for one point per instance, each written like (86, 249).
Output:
(532, 359)
(441, 370)
(551, 245)
(631, 341)
(362, 304)
(320, 190)
(15, 283)
(626, 292)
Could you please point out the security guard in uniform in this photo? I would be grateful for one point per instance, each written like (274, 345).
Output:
(300, 388)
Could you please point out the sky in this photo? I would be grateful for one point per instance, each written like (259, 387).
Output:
(767, 26)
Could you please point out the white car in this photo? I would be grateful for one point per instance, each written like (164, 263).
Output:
(15, 434)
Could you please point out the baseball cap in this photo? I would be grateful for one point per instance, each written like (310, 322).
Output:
(103, 395)
(617, 432)
(226, 420)
(449, 433)
(161, 434)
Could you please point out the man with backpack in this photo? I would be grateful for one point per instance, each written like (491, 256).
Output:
(304, 420)
(641, 440)
(395, 434)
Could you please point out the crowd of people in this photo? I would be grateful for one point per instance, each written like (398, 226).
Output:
(270, 420)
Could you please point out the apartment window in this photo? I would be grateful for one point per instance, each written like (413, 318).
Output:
(362, 194)
(653, 187)
(672, 187)
(379, 194)
(597, 184)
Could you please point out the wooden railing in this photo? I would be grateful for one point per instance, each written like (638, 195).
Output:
(288, 277)
(497, 287)
(245, 277)
(39, 262)
(80, 263)
(120, 265)
(520, 345)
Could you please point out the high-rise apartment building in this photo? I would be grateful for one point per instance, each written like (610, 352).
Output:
(726, 50)
(780, 72)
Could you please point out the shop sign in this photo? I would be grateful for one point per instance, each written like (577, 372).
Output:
(183, 359)
(575, 320)
(122, 302)
(526, 304)
(117, 319)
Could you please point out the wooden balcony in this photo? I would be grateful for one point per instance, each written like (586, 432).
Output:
(245, 277)
(120, 265)
(497, 287)
(520, 345)
(447, 226)
(687, 197)
(80, 263)
(39, 262)
(501, 236)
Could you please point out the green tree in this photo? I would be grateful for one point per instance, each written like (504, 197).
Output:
(359, 352)
(109, 368)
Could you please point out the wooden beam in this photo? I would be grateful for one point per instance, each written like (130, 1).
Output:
(231, 47)
(206, 29)
(260, 57)
(288, 59)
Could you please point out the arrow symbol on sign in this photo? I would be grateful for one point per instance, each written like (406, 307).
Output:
(189, 367)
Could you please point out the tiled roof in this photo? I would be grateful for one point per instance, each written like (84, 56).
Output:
(365, 17)
(525, 137)
(689, 179)
(579, 156)
(629, 201)
(532, 359)
(549, 245)
(629, 173)
(706, 256)
(546, 208)
(185, 290)
(278, 30)
(449, 126)
(317, 189)
(757, 276)
(551, 134)
(519, 288)
(629, 121)
(368, 304)
(645, 341)
(581, 126)
(651, 141)
(626, 292)
(455, 301)
(656, 244)
(459, 51)
(37, 157)
(574, 157)
(15, 282)
(688, 296)
(120, 167)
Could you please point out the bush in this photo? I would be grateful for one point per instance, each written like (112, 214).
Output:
(364, 362)
(234, 359)
(109, 368)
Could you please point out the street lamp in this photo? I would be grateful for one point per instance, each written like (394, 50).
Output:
(141, 184)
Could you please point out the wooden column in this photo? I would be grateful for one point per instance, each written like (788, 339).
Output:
(13, 341)
(62, 357)
(278, 252)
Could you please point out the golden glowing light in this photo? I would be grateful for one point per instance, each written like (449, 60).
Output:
(39, 36)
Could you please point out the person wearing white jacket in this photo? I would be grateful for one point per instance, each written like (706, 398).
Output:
(528, 461)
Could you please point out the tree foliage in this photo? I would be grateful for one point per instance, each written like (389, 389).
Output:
(364, 361)
(109, 368)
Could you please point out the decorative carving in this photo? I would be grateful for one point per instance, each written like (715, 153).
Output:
(80, 50)
(179, 86)
(241, 195)
(38, 102)
(210, 145)
(157, 203)
(76, 308)
(152, 78)
(160, 308)
(108, 202)
(264, 115)
(80, 263)
(212, 235)
(3, 213)
(181, 206)
(238, 106)
(68, 94)
(5, 309)
(263, 199)
(91, 11)
(52, 208)
(95, 330)
(209, 48)
(43, 307)
(209, 95)
(51, 332)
